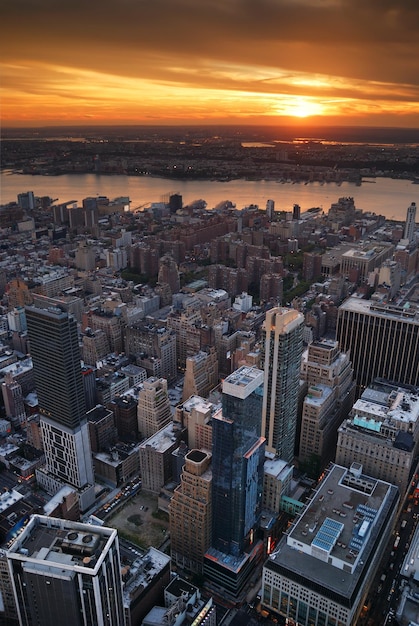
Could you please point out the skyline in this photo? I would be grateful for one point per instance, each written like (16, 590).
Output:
(351, 62)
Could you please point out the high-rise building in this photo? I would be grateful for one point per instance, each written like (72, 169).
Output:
(238, 456)
(168, 273)
(196, 415)
(382, 341)
(409, 229)
(323, 567)
(190, 512)
(330, 396)
(270, 209)
(358, 262)
(16, 319)
(13, 401)
(382, 433)
(59, 384)
(156, 457)
(66, 572)
(124, 409)
(154, 348)
(95, 346)
(111, 324)
(153, 407)
(201, 374)
(282, 348)
(26, 200)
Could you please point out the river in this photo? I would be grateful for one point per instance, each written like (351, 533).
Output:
(386, 196)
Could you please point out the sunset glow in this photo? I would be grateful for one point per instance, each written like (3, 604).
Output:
(208, 62)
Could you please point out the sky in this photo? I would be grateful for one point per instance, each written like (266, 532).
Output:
(345, 62)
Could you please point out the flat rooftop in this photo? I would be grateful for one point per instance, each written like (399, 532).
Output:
(243, 381)
(200, 404)
(407, 311)
(336, 533)
(62, 545)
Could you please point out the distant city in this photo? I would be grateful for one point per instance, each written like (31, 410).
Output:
(209, 415)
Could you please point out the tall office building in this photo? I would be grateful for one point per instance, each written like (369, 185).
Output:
(270, 209)
(282, 348)
(330, 396)
(238, 453)
(190, 512)
(382, 341)
(66, 573)
(13, 401)
(237, 461)
(153, 407)
(59, 384)
(409, 229)
(201, 374)
(382, 433)
(168, 273)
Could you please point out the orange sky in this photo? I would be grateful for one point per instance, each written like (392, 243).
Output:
(209, 61)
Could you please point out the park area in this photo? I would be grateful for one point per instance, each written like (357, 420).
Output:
(140, 521)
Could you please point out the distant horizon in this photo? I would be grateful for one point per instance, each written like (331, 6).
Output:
(339, 133)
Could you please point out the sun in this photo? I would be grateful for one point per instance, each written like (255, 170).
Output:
(304, 107)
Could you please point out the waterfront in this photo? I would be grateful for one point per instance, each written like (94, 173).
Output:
(389, 197)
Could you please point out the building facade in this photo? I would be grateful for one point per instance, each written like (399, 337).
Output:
(190, 512)
(282, 347)
(59, 385)
(330, 396)
(64, 570)
(153, 407)
(382, 433)
(391, 333)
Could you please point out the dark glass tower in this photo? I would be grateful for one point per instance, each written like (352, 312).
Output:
(237, 461)
(55, 354)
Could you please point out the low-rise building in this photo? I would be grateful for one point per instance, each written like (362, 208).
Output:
(323, 567)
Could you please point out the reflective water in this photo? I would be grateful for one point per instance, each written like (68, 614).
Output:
(382, 195)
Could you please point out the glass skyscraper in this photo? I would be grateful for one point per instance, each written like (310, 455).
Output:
(237, 461)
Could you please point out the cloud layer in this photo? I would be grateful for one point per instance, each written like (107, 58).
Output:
(129, 58)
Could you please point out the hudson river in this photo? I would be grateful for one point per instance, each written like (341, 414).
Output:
(380, 195)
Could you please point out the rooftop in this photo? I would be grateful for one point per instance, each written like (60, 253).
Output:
(338, 529)
(243, 381)
(139, 568)
(407, 311)
(162, 440)
(58, 544)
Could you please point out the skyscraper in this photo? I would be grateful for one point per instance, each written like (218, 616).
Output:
(238, 454)
(409, 229)
(382, 341)
(153, 407)
(190, 511)
(66, 573)
(270, 209)
(58, 377)
(13, 400)
(282, 348)
(237, 461)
